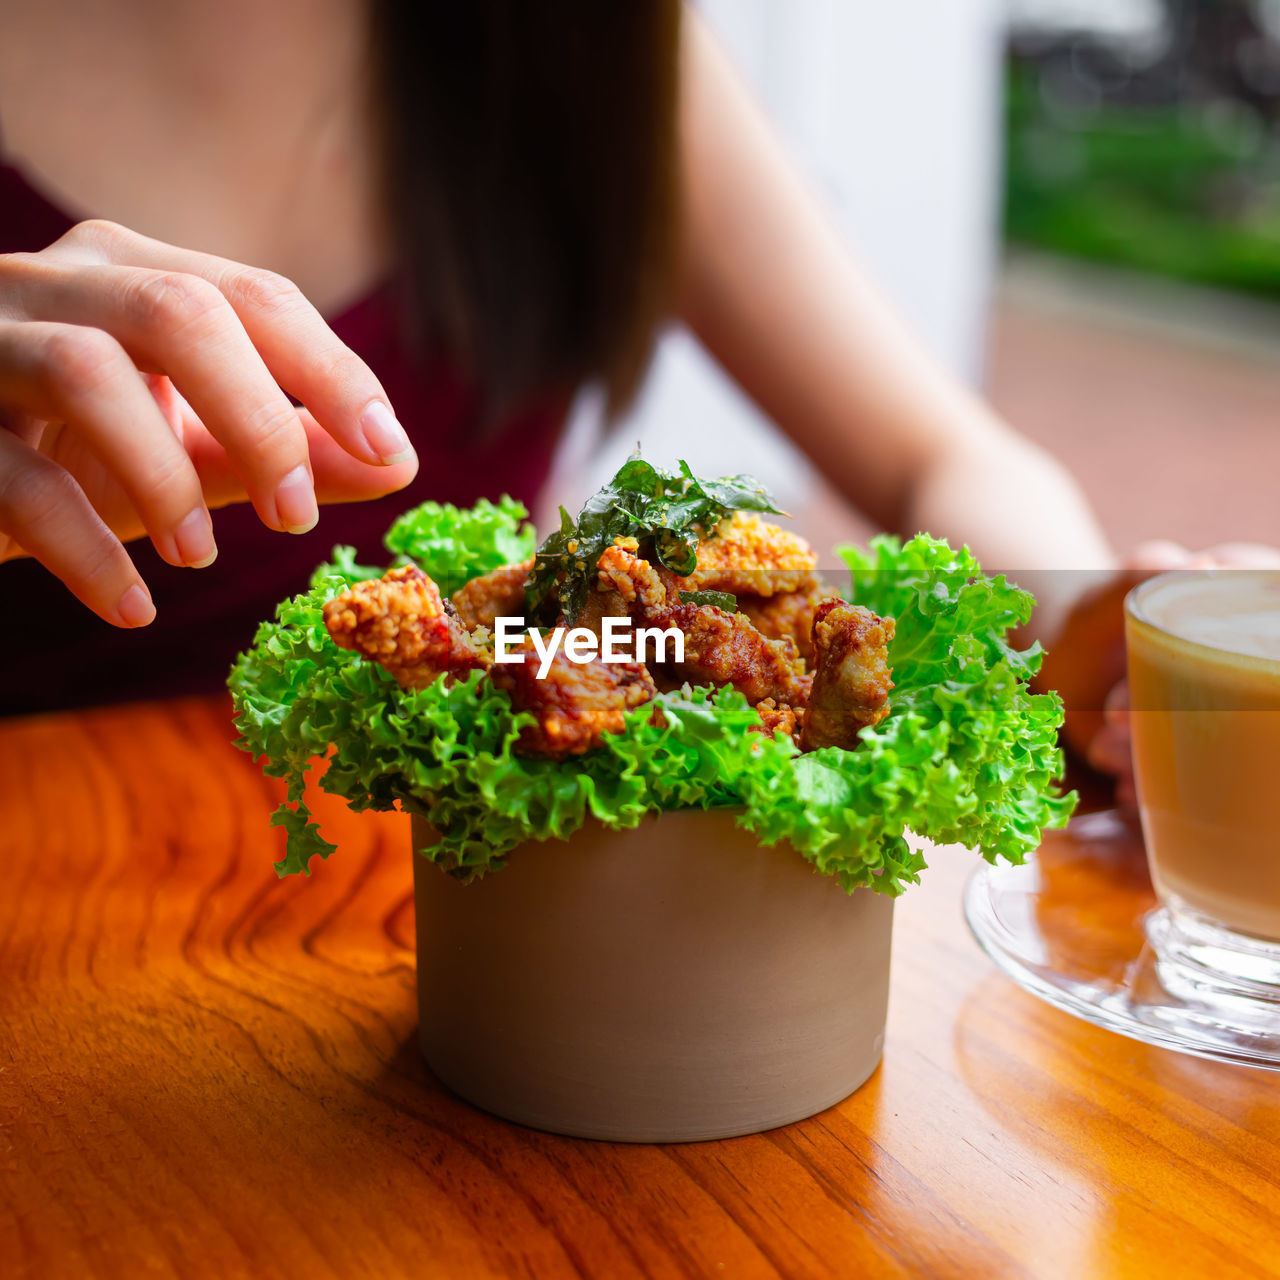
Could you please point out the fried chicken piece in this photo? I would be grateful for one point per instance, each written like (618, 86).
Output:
(775, 715)
(719, 647)
(724, 648)
(788, 615)
(745, 555)
(621, 570)
(576, 703)
(498, 594)
(599, 605)
(851, 681)
(400, 622)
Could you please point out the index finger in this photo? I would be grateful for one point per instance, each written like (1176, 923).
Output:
(300, 350)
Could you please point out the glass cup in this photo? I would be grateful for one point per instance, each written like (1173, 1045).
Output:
(1204, 692)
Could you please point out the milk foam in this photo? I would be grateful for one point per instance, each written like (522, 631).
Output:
(1237, 611)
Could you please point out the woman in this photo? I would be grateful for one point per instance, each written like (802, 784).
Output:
(491, 204)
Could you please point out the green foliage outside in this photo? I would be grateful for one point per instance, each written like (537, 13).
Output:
(1173, 190)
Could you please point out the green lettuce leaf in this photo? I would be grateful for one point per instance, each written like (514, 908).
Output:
(453, 545)
(983, 747)
(342, 564)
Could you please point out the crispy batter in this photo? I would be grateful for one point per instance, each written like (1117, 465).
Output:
(774, 716)
(719, 647)
(787, 615)
(575, 704)
(724, 648)
(499, 594)
(636, 581)
(852, 680)
(400, 622)
(744, 554)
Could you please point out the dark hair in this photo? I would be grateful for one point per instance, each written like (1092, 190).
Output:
(531, 173)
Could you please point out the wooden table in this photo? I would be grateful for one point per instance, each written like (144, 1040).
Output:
(206, 1071)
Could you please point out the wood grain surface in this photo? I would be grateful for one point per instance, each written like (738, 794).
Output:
(208, 1072)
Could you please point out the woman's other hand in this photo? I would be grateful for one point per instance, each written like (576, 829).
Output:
(141, 385)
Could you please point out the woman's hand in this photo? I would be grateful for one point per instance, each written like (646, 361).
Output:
(1087, 660)
(140, 386)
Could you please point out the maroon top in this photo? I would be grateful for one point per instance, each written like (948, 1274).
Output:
(55, 653)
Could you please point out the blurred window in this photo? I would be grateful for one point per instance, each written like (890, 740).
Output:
(1146, 133)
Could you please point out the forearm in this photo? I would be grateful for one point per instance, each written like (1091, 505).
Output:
(770, 289)
(1012, 502)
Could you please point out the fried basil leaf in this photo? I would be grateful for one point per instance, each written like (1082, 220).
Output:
(666, 512)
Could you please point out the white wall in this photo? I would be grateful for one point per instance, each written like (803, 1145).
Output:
(891, 109)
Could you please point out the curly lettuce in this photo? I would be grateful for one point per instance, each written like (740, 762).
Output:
(449, 544)
(966, 755)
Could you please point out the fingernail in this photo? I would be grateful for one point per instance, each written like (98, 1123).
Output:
(384, 435)
(135, 608)
(194, 540)
(296, 502)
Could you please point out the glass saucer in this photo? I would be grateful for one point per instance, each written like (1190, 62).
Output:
(1078, 925)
